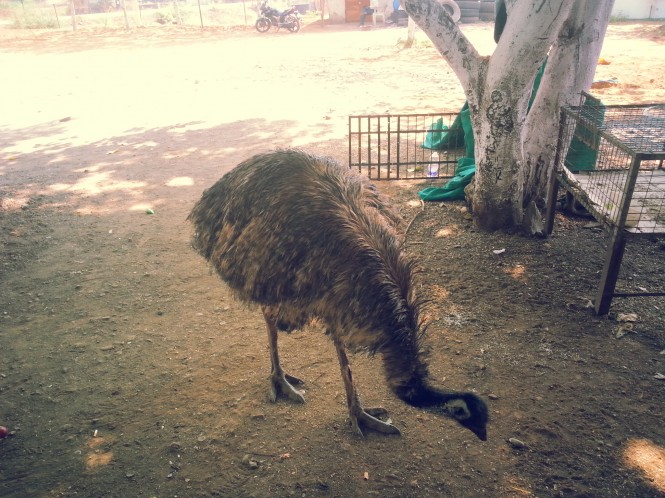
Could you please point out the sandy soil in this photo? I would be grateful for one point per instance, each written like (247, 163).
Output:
(128, 370)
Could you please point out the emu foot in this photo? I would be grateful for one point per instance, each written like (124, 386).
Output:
(282, 384)
(368, 418)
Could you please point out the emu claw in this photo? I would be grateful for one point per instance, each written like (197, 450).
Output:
(282, 384)
(293, 380)
(368, 419)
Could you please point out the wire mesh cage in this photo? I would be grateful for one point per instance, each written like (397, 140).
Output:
(612, 158)
(409, 146)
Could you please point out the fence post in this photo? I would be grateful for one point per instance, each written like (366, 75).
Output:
(57, 19)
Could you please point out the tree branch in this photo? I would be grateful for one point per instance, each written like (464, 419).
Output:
(531, 28)
(449, 40)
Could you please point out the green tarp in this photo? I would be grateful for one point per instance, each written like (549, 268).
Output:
(440, 137)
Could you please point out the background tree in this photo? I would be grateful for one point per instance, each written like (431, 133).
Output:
(514, 149)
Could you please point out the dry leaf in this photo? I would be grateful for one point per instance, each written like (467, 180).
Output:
(623, 330)
(627, 317)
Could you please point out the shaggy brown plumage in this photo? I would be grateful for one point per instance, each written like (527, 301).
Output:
(306, 238)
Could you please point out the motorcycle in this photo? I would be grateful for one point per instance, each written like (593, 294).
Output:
(269, 17)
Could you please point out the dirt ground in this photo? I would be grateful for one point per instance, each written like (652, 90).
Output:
(127, 369)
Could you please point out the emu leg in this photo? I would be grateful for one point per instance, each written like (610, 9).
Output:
(280, 382)
(360, 417)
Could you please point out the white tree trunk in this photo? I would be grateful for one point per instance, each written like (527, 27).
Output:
(514, 152)
(578, 46)
(410, 33)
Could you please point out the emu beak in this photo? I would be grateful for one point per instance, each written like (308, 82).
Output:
(481, 432)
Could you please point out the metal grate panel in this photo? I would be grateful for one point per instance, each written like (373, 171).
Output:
(394, 147)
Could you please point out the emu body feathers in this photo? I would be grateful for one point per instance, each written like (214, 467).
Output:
(305, 238)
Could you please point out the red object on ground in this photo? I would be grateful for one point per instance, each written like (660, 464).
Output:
(3, 432)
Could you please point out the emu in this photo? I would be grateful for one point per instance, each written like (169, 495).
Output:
(306, 239)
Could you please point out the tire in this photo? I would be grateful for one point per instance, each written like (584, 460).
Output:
(452, 8)
(487, 7)
(473, 5)
(262, 25)
(487, 10)
(293, 23)
(470, 11)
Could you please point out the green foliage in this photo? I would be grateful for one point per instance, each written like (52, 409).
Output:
(170, 16)
(31, 17)
(619, 17)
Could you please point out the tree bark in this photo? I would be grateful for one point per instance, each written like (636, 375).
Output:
(514, 148)
(578, 46)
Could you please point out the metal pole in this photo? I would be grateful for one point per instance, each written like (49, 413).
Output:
(200, 13)
(56, 16)
(73, 9)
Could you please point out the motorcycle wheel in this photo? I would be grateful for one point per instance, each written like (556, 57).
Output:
(292, 23)
(262, 25)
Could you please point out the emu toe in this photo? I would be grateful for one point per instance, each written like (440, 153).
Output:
(283, 384)
(368, 419)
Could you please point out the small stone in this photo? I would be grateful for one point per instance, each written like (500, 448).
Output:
(516, 443)
(492, 396)
(249, 462)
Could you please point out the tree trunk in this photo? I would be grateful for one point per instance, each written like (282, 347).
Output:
(578, 46)
(410, 33)
(513, 150)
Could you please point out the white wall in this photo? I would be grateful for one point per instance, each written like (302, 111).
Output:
(639, 9)
(336, 10)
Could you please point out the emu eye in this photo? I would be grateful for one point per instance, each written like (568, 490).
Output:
(458, 409)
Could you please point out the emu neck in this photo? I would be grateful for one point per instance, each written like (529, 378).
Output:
(408, 377)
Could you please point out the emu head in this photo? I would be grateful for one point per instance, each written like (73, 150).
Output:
(470, 411)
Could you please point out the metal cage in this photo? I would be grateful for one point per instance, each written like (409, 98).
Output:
(406, 147)
(610, 158)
